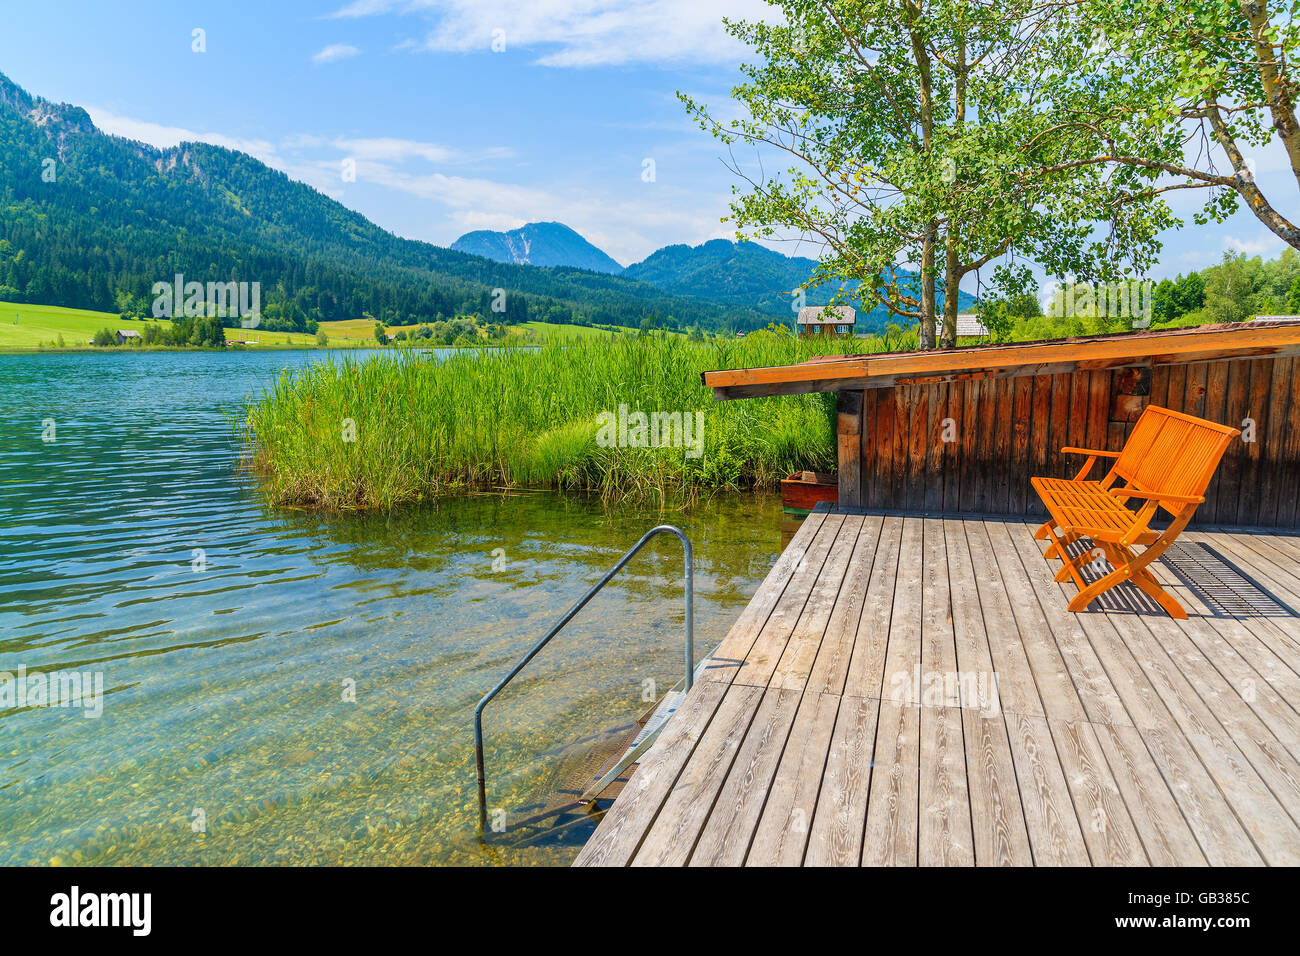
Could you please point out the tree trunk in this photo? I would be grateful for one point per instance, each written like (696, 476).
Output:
(1244, 183)
(952, 272)
(951, 292)
(1278, 88)
(914, 14)
(927, 337)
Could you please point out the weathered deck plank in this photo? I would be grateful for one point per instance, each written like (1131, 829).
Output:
(620, 835)
(730, 825)
(782, 834)
(837, 822)
(945, 837)
(891, 833)
(691, 800)
(908, 690)
(755, 663)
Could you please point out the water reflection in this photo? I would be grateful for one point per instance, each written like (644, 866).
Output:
(229, 636)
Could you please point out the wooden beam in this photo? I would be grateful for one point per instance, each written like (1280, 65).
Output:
(1168, 347)
(848, 408)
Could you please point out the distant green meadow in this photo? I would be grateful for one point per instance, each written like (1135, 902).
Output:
(616, 415)
(28, 326)
(25, 326)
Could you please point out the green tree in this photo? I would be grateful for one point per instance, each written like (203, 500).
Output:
(1293, 298)
(1188, 89)
(1230, 294)
(1162, 301)
(919, 132)
(381, 336)
(1189, 294)
(322, 339)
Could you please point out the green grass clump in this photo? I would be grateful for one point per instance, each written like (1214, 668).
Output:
(397, 428)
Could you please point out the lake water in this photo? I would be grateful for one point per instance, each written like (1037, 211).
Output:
(232, 638)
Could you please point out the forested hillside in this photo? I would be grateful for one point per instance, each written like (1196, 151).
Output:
(93, 221)
(745, 273)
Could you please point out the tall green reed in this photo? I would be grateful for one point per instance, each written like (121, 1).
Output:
(391, 429)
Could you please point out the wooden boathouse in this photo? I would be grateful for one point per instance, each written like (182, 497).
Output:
(908, 685)
(961, 430)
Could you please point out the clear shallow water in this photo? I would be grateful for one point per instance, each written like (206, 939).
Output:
(224, 687)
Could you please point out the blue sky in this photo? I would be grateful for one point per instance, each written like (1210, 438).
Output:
(447, 134)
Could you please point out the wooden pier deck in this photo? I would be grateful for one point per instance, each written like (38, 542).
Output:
(849, 717)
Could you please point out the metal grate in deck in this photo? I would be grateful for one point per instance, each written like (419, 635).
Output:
(1220, 584)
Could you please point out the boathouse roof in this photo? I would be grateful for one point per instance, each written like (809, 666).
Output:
(833, 373)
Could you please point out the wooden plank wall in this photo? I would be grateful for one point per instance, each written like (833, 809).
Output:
(1005, 429)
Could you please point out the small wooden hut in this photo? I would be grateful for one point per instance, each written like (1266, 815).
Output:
(826, 320)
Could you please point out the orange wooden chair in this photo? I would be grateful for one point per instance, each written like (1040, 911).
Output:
(1167, 463)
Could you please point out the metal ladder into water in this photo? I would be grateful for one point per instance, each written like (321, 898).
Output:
(666, 707)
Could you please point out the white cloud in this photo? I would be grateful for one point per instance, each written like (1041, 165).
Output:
(580, 33)
(165, 137)
(334, 52)
(321, 175)
(627, 229)
(365, 8)
(1197, 258)
(627, 226)
(391, 149)
(304, 141)
(1266, 245)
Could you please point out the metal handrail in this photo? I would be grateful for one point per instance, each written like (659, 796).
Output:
(689, 582)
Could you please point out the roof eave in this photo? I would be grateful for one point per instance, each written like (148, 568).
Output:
(884, 370)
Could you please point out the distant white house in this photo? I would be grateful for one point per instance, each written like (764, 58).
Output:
(826, 320)
(969, 325)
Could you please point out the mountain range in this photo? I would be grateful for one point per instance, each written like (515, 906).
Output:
(538, 244)
(745, 272)
(739, 274)
(92, 221)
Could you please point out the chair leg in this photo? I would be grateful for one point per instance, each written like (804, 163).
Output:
(1059, 543)
(1071, 565)
(1044, 530)
(1124, 560)
(1150, 586)
(1145, 580)
(1094, 590)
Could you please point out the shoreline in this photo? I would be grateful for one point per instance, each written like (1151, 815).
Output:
(292, 347)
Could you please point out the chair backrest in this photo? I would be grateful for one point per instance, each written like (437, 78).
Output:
(1173, 452)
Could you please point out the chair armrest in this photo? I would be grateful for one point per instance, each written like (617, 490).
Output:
(1092, 454)
(1158, 495)
(1071, 450)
